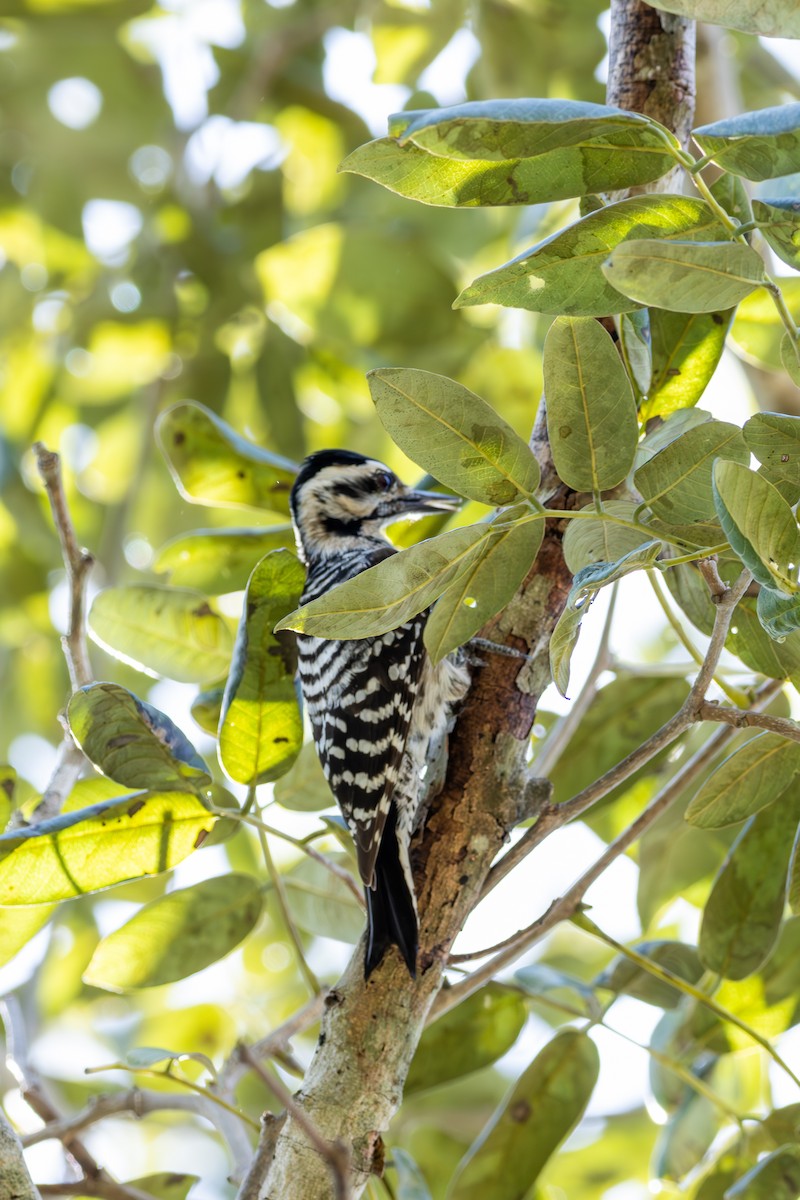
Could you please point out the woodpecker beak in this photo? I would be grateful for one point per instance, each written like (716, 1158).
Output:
(413, 503)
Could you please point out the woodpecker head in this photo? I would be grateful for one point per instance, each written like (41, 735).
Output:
(339, 498)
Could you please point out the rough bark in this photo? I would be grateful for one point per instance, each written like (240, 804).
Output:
(370, 1030)
(15, 1182)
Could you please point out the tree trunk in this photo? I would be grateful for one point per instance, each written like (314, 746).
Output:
(370, 1030)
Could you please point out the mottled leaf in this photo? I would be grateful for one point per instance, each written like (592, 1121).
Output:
(454, 435)
(676, 482)
(684, 277)
(563, 274)
(131, 742)
(162, 631)
(139, 834)
(591, 413)
(261, 729)
(212, 464)
(779, 222)
(758, 145)
(176, 935)
(542, 1107)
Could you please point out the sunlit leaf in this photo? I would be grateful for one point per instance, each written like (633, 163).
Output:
(591, 413)
(749, 779)
(676, 482)
(540, 1110)
(95, 848)
(758, 145)
(165, 1185)
(774, 1177)
(685, 277)
(454, 434)
(564, 275)
(686, 350)
(472, 1035)
(387, 595)
(176, 935)
(18, 926)
(484, 587)
(212, 464)
(131, 742)
(219, 560)
(162, 631)
(742, 916)
(757, 330)
(261, 729)
(758, 523)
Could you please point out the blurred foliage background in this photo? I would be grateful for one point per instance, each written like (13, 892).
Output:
(173, 226)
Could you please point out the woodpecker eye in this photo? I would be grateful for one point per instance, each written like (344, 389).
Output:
(384, 480)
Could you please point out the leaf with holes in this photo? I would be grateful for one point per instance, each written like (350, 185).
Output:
(759, 525)
(685, 277)
(742, 916)
(132, 742)
(261, 729)
(177, 935)
(454, 435)
(484, 587)
(162, 631)
(392, 592)
(212, 464)
(563, 274)
(142, 833)
(540, 1110)
(749, 779)
(591, 412)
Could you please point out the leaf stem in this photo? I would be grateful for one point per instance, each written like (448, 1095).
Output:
(736, 697)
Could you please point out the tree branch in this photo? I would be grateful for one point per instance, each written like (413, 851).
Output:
(265, 1152)
(17, 1183)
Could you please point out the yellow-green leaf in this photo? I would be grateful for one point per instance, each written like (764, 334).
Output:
(219, 560)
(755, 775)
(759, 525)
(685, 277)
(676, 482)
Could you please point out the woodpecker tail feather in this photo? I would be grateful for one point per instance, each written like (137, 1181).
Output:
(391, 908)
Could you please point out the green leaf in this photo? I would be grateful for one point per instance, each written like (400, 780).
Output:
(775, 440)
(219, 560)
(685, 277)
(634, 340)
(542, 1107)
(261, 729)
(597, 575)
(484, 587)
(162, 631)
(686, 1137)
(8, 787)
(591, 413)
(564, 639)
(790, 357)
(769, 18)
(779, 222)
(164, 1185)
(778, 613)
(212, 464)
(514, 152)
(749, 779)
(18, 926)
(322, 903)
(472, 1035)
(774, 1177)
(135, 835)
(176, 935)
(206, 708)
(758, 145)
(411, 1183)
(757, 331)
(676, 482)
(686, 349)
(759, 525)
(742, 916)
(540, 979)
(563, 274)
(132, 742)
(390, 593)
(591, 541)
(624, 976)
(454, 435)
(304, 788)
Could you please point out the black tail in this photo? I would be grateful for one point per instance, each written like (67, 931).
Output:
(391, 915)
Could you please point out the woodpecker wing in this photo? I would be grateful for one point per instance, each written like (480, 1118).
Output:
(361, 715)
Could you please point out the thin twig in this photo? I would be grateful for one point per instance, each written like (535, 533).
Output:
(334, 1153)
(276, 880)
(262, 1159)
(711, 710)
(77, 563)
(273, 1044)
